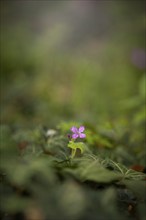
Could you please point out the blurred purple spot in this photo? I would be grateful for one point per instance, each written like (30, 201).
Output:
(138, 58)
(69, 136)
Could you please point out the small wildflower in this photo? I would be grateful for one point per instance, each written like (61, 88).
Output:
(78, 132)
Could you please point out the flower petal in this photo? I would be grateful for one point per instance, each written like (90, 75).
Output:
(74, 129)
(75, 136)
(81, 128)
(81, 135)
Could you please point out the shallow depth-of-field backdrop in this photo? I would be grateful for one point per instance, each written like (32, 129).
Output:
(70, 60)
(67, 63)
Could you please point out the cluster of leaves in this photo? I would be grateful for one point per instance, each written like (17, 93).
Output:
(39, 179)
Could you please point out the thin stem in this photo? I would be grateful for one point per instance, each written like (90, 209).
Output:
(118, 167)
(73, 152)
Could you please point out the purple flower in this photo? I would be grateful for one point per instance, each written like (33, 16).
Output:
(78, 132)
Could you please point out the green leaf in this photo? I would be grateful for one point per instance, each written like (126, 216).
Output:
(78, 145)
(89, 169)
(100, 174)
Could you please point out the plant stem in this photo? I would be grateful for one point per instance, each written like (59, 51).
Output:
(73, 152)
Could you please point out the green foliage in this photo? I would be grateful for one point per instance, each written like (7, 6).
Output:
(94, 138)
(65, 126)
(53, 70)
(39, 176)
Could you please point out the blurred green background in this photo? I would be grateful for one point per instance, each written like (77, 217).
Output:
(72, 60)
